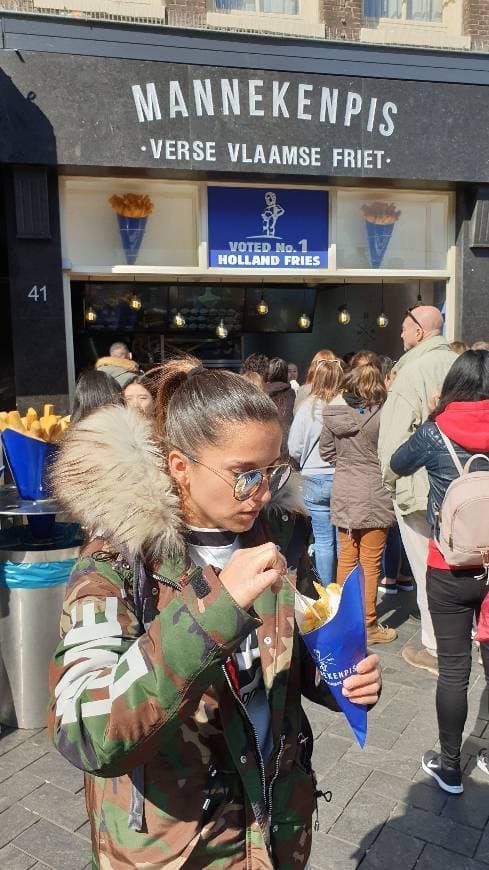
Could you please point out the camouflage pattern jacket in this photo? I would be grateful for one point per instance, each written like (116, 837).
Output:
(143, 695)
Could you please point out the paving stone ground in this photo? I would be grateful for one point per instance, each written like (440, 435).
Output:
(385, 813)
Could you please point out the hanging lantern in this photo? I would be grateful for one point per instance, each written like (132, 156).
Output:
(382, 320)
(344, 315)
(262, 307)
(135, 303)
(221, 330)
(179, 320)
(304, 321)
(90, 315)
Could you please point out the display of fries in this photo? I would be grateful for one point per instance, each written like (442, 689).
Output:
(50, 427)
(136, 205)
(381, 212)
(324, 609)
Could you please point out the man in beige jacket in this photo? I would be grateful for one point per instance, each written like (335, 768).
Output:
(418, 377)
(119, 364)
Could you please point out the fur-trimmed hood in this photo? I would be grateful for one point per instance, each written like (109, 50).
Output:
(110, 477)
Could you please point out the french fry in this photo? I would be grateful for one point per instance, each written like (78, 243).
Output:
(30, 417)
(323, 609)
(36, 430)
(13, 419)
(51, 425)
(48, 410)
(56, 434)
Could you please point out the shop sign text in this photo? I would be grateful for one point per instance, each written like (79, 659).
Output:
(267, 228)
(332, 108)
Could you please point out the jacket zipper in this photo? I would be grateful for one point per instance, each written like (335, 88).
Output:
(275, 774)
(257, 746)
(166, 582)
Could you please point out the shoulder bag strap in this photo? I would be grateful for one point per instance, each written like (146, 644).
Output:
(301, 466)
(448, 444)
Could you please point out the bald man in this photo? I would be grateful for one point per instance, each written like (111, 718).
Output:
(417, 377)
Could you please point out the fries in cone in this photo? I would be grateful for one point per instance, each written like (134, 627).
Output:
(333, 631)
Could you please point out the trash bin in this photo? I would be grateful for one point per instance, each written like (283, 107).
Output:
(32, 585)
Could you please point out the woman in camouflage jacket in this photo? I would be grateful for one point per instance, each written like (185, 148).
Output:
(183, 767)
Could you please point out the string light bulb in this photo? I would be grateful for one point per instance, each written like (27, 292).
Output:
(262, 307)
(135, 303)
(90, 315)
(304, 321)
(344, 315)
(179, 320)
(221, 329)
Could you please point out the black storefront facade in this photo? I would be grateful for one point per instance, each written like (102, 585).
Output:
(308, 175)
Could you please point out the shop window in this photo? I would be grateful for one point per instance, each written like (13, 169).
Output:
(298, 17)
(391, 230)
(273, 7)
(120, 10)
(435, 23)
(94, 240)
(409, 10)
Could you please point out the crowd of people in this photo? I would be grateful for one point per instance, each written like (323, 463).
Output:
(180, 670)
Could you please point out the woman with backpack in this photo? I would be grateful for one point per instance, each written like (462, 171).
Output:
(317, 474)
(457, 429)
(178, 680)
(360, 506)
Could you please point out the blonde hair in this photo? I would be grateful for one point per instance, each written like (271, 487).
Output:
(320, 355)
(364, 358)
(458, 347)
(328, 379)
(367, 384)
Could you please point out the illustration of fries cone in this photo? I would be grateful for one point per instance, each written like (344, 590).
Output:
(339, 642)
(132, 210)
(380, 218)
(131, 231)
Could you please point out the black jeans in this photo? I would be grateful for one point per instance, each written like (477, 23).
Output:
(453, 598)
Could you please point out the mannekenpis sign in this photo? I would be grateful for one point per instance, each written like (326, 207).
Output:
(124, 113)
(256, 98)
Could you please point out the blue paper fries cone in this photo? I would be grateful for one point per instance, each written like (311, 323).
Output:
(339, 645)
(379, 236)
(28, 459)
(131, 230)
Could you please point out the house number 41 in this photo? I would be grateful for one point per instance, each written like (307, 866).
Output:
(36, 293)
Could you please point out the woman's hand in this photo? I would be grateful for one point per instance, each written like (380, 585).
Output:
(249, 572)
(433, 402)
(364, 688)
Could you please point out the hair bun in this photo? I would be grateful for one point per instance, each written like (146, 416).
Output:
(195, 371)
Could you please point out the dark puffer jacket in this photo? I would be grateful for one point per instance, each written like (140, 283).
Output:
(467, 426)
(359, 499)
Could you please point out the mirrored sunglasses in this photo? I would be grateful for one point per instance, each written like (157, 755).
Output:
(249, 482)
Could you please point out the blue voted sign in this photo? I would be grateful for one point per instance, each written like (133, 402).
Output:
(267, 228)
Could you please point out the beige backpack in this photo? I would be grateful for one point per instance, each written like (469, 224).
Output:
(461, 530)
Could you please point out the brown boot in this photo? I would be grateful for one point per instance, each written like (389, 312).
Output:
(379, 633)
(420, 658)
